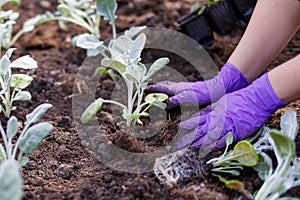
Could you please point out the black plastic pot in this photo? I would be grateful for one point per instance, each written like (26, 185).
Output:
(222, 17)
(197, 27)
(244, 8)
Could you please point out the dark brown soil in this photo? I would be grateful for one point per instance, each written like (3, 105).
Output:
(61, 168)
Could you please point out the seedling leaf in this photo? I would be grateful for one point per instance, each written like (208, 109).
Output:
(11, 182)
(289, 124)
(195, 7)
(37, 113)
(233, 184)
(20, 81)
(245, 154)
(115, 65)
(88, 41)
(9, 52)
(12, 127)
(157, 65)
(285, 146)
(131, 77)
(4, 65)
(91, 110)
(22, 96)
(156, 97)
(23, 161)
(24, 62)
(264, 166)
(133, 31)
(107, 9)
(34, 136)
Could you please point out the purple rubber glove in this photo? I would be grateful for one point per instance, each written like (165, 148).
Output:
(242, 113)
(229, 79)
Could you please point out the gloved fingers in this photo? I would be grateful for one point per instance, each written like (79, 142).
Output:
(208, 139)
(168, 87)
(188, 96)
(193, 122)
(187, 139)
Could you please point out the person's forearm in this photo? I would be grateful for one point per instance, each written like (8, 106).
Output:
(272, 25)
(285, 80)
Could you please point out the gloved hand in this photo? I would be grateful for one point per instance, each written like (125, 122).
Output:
(229, 79)
(242, 112)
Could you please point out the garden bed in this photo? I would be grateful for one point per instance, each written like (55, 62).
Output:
(61, 168)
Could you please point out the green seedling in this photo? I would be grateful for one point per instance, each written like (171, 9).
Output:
(12, 85)
(7, 22)
(286, 174)
(197, 7)
(125, 59)
(243, 153)
(12, 154)
(212, 2)
(236, 185)
(29, 138)
(86, 14)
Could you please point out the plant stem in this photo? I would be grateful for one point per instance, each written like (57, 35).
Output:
(5, 142)
(7, 103)
(97, 26)
(19, 138)
(220, 162)
(114, 30)
(14, 39)
(114, 102)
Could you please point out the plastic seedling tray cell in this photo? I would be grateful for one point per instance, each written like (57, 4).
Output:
(244, 8)
(197, 27)
(222, 17)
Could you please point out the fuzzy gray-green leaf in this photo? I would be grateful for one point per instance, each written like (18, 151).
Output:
(37, 113)
(91, 110)
(12, 127)
(34, 136)
(23, 161)
(88, 41)
(24, 62)
(107, 9)
(289, 124)
(113, 64)
(284, 145)
(157, 65)
(264, 166)
(22, 96)
(4, 65)
(11, 183)
(133, 31)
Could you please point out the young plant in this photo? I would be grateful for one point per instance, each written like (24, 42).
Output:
(243, 154)
(29, 138)
(125, 59)
(12, 85)
(201, 8)
(7, 22)
(236, 185)
(286, 175)
(12, 155)
(86, 14)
